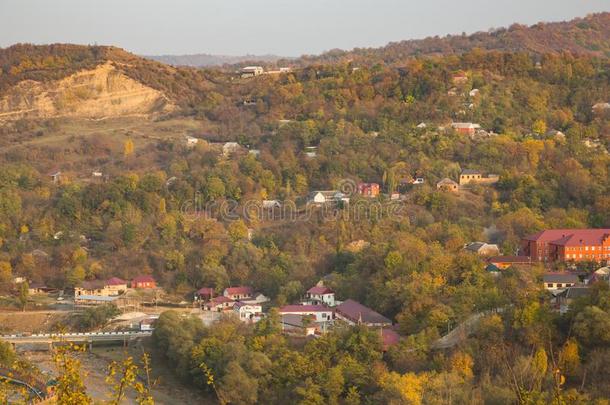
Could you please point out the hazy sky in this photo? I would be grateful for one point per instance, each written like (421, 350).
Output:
(283, 27)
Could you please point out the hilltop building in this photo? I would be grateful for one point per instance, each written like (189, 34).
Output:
(251, 71)
(470, 176)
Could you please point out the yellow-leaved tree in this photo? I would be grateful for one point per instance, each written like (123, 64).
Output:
(128, 148)
(70, 388)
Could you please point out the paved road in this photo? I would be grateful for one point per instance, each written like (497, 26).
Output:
(35, 387)
(459, 333)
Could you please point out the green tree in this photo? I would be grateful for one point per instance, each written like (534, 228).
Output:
(22, 298)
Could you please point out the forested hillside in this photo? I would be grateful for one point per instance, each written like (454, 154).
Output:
(587, 35)
(186, 213)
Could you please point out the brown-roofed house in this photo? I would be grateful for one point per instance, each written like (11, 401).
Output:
(355, 313)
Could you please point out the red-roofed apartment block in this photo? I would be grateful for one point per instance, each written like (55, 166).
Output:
(568, 245)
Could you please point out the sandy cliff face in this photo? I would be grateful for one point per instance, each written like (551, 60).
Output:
(98, 93)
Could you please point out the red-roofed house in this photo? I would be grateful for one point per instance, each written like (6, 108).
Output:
(116, 285)
(143, 281)
(204, 293)
(368, 189)
(568, 245)
(320, 312)
(220, 303)
(238, 293)
(320, 295)
(355, 313)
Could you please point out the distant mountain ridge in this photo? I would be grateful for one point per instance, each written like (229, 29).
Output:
(207, 60)
(588, 35)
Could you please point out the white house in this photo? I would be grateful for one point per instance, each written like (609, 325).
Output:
(247, 312)
(191, 141)
(230, 147)
(557, 282)
(320, 295)
(270, 204)
(257, 298)
(320, 313)
(483, 249)
(311, 151)
(327, 197)
(251, 71)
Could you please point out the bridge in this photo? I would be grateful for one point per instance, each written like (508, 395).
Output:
(84, 338)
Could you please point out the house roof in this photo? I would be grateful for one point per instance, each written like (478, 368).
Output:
(446, 181)
(92, 285)
(205, 290)
(221, 299)
(327, 193)
(475, 246)
(510, 259)
(560, 278)
(471, 171)
(356, 312)
(145, 278)
(304, 308)
(240, 304)
(37, 285)
(295, 320)
(238, 290)
(575, 292)
(320, 289)
(115, 281)
(603, 270)
(492, 268)
(570, 237)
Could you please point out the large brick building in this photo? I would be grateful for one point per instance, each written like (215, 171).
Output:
(568, 245)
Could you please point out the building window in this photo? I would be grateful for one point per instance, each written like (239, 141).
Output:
(559, 285)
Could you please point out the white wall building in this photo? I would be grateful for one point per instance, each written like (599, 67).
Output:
(247, 312)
